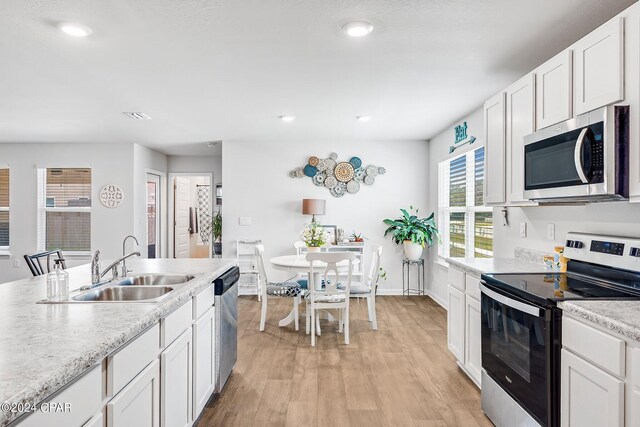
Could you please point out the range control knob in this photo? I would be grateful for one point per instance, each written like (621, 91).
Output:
(569, 243)
(578, 244)
(635, 252)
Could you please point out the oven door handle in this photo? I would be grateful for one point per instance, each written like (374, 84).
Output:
(577, 156)
(516, 305)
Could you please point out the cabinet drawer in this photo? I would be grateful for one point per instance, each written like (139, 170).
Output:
(472, 287)
(202, 301)
(456, 278)
(130, 360)
(84, 397)
(172, 326)
(604, 350)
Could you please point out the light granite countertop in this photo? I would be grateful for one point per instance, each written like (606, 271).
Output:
(45, 346)
(622, 317)
(479, 266)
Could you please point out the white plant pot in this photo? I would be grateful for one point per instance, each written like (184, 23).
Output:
(313, 248)
(412, 251)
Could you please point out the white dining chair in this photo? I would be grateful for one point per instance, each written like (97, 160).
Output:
(298, 246)
(285, 289)
(329, 297)
(368, 289)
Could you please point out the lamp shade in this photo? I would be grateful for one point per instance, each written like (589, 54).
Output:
(313, 206)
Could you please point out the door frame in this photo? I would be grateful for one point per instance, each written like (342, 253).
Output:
(171, 205)
(163, 210)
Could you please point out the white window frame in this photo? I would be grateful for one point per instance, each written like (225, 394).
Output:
(6, 250)
(43, 209)
(444, 209)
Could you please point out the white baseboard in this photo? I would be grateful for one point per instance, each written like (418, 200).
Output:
(387, 291)
(439, 300)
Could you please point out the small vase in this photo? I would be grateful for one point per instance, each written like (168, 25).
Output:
(313, 248)
(412, 251)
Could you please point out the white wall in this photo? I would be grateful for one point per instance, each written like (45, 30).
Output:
(257, 185)
(439, 151)
(617, 218)
(196, 164)
(109, 163)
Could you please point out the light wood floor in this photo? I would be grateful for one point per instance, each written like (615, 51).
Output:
(401, 374)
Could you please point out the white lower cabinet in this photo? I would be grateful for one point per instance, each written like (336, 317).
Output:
(473, 339)
(203, 360)
(176, 382)
(632, 394)
(589, 395)
(455, 323)
(96, 421)
(138, 404)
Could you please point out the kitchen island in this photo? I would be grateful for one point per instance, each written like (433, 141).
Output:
(44, 347)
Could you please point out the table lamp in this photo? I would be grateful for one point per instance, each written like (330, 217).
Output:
(313, 207)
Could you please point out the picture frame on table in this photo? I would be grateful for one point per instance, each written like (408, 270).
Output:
(332, 234)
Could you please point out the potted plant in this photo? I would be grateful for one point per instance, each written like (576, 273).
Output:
(412, 232)
(314, 236)
(216, 230)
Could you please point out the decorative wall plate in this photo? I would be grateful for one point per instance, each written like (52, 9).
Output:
(338, 177)
(111, 196)
(344, 172)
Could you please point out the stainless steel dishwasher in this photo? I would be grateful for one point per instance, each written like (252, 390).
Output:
(226, 312)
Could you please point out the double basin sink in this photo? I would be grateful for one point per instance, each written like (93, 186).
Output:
(141, 288)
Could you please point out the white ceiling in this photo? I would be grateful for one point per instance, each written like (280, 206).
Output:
(208, 70)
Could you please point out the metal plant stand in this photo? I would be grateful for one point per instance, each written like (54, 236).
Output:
(406, 277)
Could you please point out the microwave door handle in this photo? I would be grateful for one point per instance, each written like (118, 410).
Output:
(577, 156)
(516, 305)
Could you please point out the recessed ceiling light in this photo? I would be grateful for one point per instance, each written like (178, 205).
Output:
(136, 115)
(74, 29)
(357, 28)
(213, 144)
(363, 118)
(287, 118)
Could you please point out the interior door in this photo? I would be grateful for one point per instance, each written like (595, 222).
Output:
(181, 199)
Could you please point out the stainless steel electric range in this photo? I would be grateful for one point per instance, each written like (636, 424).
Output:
(521, 325)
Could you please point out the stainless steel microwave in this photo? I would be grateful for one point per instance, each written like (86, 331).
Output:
(582, 160)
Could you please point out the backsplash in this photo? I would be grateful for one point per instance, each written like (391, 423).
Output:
(530, 255)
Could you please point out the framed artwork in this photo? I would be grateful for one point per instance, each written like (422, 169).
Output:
(332, 232)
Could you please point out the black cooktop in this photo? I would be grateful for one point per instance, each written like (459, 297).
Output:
(550, 288)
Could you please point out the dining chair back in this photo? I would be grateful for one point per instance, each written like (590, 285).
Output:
(273, 289)
(324, 293)
(298, 246)
(374, 271)
(34, 262)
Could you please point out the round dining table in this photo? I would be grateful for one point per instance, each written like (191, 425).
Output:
(299, 264)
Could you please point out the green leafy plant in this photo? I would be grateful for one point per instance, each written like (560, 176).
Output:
(409, 226)
(216, 226)
(357, 237)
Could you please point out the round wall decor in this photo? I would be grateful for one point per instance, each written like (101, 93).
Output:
(111, 196)
(344, 172)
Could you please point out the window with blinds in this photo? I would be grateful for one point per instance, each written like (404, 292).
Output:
(466, 224)
(64, 214)
(4, 209)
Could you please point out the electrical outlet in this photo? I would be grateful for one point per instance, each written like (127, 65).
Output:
(244, 220)
(523, 229)
(16, 263)
(551, 232)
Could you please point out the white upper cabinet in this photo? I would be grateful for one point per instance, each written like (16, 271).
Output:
(598, 73)
(553, 90)
(521, 118)
(494, 150)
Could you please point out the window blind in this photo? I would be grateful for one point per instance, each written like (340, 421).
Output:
(64, 220)
(479, 176)
(4, 208)
(458, 182)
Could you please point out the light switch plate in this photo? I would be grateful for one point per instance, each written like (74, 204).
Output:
(523, 229)
(551, 231)
(244, 220)
(16, 263)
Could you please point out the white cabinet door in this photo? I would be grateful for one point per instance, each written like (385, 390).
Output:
(598, 72)
(96, 421)
(138, 404)
(589, 396)
(455, 323)
(494, 150)
(553, 90)
(521, 118)
(632, 403)
(473, 339)
(203, 360)
(176, 388)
